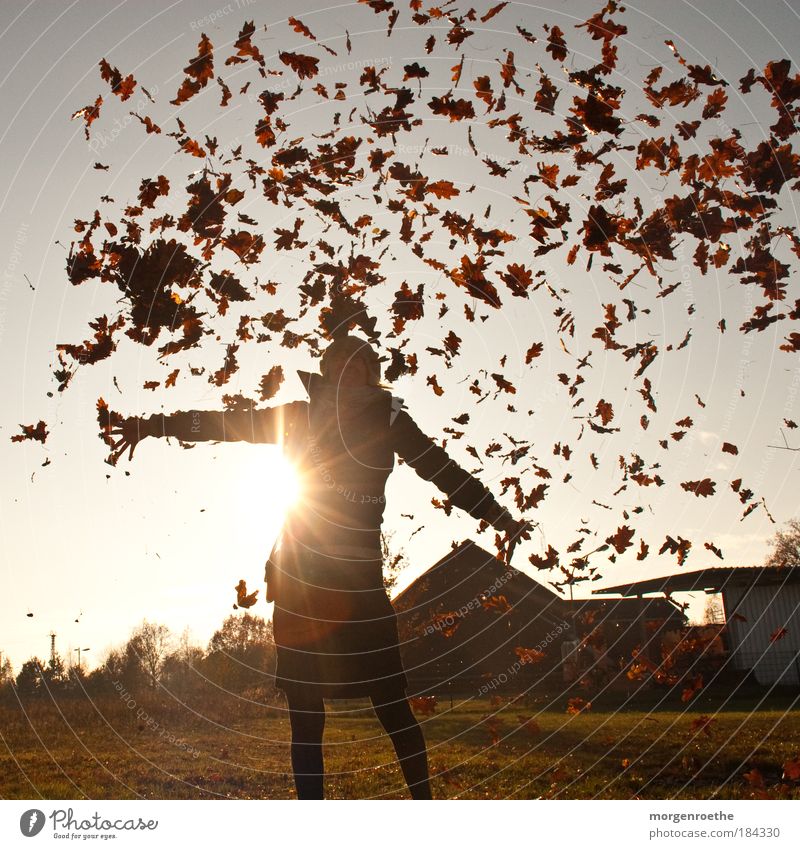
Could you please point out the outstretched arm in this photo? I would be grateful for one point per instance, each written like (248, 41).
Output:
(216, 425)
(433, 463)
(267, 425)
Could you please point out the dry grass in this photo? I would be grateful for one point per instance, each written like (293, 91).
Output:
(101, 750)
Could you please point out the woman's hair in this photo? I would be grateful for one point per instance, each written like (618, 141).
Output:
(353, 346)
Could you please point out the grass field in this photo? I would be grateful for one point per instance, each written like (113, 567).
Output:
(79, 749)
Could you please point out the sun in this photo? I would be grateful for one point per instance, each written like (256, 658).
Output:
(284, 482)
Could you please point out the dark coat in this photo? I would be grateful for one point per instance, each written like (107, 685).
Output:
(335, 628)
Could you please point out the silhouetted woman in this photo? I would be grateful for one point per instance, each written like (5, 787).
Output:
(335, 628)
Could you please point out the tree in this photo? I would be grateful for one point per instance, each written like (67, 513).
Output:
(6, 671)
(786, 546)
(55, 672)
(30, 680)
(150, 644)
(394, 562)
(124, 666)
(242, 652)
(180, 666)
(713, 613)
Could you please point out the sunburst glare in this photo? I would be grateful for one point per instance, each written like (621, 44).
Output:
(284, 482)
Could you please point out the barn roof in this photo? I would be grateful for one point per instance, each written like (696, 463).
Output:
(466, 572)
(629, 609)
(710, 580)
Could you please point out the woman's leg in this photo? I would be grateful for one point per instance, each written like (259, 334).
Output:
(401, 725)
(307, 718)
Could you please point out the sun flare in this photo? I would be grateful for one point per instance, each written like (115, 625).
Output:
(284, 482)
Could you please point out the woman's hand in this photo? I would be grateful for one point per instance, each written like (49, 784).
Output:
(130, 433)
(515, 529)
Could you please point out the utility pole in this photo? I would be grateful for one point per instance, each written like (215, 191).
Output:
(79, 650)
(52, 650)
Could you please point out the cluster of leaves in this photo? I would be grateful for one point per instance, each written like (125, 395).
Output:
(424, 705)
(783, 788)
(570, 129)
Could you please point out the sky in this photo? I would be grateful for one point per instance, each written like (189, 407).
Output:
(91, 550)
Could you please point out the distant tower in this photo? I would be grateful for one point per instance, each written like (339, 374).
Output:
(52, 650)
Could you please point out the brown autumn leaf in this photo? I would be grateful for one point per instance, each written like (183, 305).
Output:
(622, 539)
(704, 487)
(270, 383)
(498, 604)
(434, 384)
(778, 634)
(791, 769)
(423, 705)
(549, 561)
(243, 599)
(123, 88)
(37, 432)
(89, 114)
(556, 46)
(198, 72)
(528, 655)
(304, 66)
(577, 705)
(605, 411)
(680, 547)
(455, 110)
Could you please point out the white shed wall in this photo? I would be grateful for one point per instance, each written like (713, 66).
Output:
(766, 608)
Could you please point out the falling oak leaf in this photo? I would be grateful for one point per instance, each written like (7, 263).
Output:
(729, 448)
(123, 88)
(304, 66)
(605, 411)
(549, 561)
(527, 655)
(534, 351)
(681, 547)
(89, 114)
(198, 72)
(556, 46)
(456, 110)
(778, 634)
(38, 432)
(621, 540)
(243, 599)
(704, 487)
(434, 384)
(503, 384)
(271, 382)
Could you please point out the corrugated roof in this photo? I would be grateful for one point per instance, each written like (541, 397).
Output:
(712, 579)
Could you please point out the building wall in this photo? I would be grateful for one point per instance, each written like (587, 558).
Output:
(766, 608)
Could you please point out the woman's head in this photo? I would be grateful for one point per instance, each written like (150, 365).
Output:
(351, 361)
